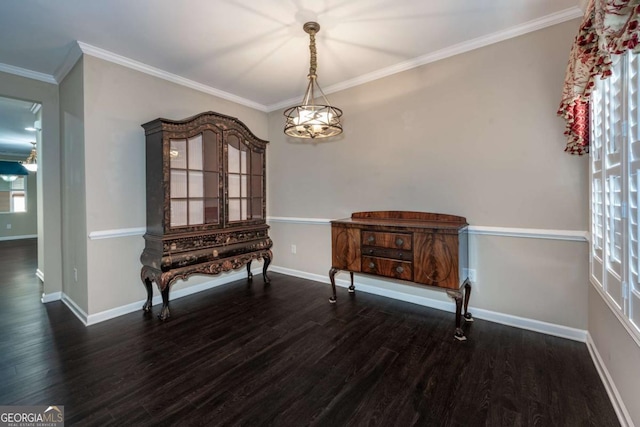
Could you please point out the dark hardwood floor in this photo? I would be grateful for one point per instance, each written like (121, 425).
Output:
(282, 355)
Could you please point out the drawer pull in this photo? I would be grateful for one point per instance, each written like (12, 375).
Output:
(399, 270)
(371, 238)
(370, 251)
(372, 265)
(399, 242)
(400, 254)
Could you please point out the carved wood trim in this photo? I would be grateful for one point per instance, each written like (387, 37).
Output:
(162, 279)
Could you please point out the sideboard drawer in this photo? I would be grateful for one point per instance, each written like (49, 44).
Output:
(387, 240)
(387, 253)
(387, 267)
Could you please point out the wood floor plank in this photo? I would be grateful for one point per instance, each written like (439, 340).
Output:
(280, 354)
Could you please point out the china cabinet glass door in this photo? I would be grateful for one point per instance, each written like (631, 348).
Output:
(195, 178)
(244, 180)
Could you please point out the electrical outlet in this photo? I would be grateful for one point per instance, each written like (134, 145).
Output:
(293, 249)
(8, 226)
(75, 274)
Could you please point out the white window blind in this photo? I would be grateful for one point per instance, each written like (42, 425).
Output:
(615, 185)
(597, 188)
(633, 131)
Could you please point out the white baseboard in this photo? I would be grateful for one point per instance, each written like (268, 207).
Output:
(54, 296)
(75, 308)
(616, 400)
(92, 319)
(369, 285)
(26, 236)
(363, 284)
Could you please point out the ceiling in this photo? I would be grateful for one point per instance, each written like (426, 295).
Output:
(256, 53)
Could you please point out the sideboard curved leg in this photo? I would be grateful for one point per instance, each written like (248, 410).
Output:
(164, 313)
(267, 261)
(249, 273)
(467, 293)
(332, 278)
(352, 288)
(147, 305)
(457, 297)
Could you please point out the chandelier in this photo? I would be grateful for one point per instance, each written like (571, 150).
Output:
(31, 162)
(311, 120)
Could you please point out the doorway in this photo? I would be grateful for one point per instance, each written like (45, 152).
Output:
(20, 140)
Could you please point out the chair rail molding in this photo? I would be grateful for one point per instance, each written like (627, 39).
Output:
(121, 232)
(533, 233)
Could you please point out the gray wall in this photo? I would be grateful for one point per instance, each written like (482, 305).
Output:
(117, 101)
(619, 353)
(74, 226)
(474, 135)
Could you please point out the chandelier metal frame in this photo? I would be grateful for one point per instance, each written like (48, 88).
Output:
(311, 120)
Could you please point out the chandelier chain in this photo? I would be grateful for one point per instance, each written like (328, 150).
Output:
(314, 54)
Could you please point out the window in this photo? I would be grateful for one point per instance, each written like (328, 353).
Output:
(13, 195)
(615, 185)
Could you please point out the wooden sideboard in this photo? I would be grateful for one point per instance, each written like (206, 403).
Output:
(424, 248)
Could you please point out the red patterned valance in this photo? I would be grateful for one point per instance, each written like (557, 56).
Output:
(610, 27)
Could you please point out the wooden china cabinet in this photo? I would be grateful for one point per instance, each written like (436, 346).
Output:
(205, 201)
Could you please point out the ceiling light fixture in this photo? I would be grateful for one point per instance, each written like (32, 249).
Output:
(10, 171)
(31, 163)
(37, 125)
(311, 120)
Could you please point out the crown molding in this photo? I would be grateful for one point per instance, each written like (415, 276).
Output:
(527, 27)
(76, 51)
(23, 72)
(74, 54)
(156, 72)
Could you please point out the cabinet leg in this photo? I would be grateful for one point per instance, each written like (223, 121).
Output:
(147, 305)
(457, 297)
(352, 288)
(164, 313)
(249, 273)
(467, 293)
(332, 278)
(267, 261)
